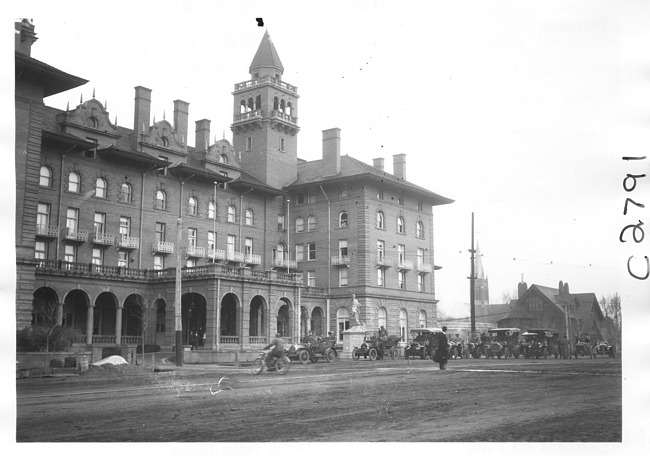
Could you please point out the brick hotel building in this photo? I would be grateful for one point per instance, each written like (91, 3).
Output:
(266, 241)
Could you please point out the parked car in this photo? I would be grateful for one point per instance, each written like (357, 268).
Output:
(420, 346)
(549, 340)
(318, 347)
(532, 346)
(602, 348)
(505, 343)
(583, 349)
(375, 348)
(474, 349)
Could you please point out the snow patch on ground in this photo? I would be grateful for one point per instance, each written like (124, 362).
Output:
(113, 360)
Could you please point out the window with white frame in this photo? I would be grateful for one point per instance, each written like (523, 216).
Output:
(311, 251)
(249, 143)
(300, 253)
(381, 251)
(160, 232)
(40, 250)
(100, 188)
(192, 206)
(379, 221)
(45, 179)
(161, 200)
(211, 212)
(72, 220)
(99, 224)
(74, 182)
(158, 262)
(343, 248)
(422, 319)
(311, 223)
(123, 259)
(421, 283)
(343, 277)
(248, 219)
(191, 237)
(211, 240)
(381, 277)
(420, 257)
(300, 225)
(401, 280)
(280, 222)
(311, 278)
(230, 244)
(43, 215)
(248, 246)
(97, 257)
(419, 230)
(126, 193)
(231, 214)
(400, 225)
(419, 205)
(300, 197)
(343, 219)
(70, 253)
(125, 226)
(401, 253)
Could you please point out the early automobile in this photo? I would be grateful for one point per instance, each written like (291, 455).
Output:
(420, 346)
(550, 338)
(583, 349)
(505, 343)
(374, 347)
(318, 347)
(532, 347)
(541, 342)
(602, 348)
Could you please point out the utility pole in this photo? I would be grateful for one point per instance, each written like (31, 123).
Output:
(471, 285)
(178, 320)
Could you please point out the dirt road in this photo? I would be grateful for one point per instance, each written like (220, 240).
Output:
(346, 401)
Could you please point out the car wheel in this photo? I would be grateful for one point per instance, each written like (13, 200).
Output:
(393, 353)
(257, 366)
(372, 353)
(303, 356)
(355, 355)
(330, 355)
(282, 365)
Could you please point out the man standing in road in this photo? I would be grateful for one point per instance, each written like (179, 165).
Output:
(442, 354)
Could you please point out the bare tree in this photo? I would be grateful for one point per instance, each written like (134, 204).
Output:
(138, 311)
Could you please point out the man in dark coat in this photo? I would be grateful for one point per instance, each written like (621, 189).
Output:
(442, 354)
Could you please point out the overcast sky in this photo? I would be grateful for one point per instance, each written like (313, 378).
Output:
(519, 111)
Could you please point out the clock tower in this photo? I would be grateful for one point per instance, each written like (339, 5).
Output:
(265, 120)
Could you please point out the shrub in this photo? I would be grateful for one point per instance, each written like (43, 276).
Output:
(34, 339)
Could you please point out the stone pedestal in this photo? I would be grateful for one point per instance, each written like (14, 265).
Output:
(352, 337)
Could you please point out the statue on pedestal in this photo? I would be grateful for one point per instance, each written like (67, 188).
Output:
(354, 308)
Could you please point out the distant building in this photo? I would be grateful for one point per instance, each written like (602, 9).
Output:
(266, 242)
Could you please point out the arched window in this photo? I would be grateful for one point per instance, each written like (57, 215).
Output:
(251, 105)
(311, 223)
(423, 319)
(289, 109)
(258, 102)
(100, 188)
(46, 177)
(276, 104)
(231, 214)
(73, 182)
(343, 219)
(248, 220)
(380, 220)
(419, 230)
(381, 317)
(211, 210)
(242, 107)
(223, 158)
(161, 200)
(282, 105)
(403, 324)
(400, 225)
(342, 322)
(192, 206)
(125, 192)
(300, 225)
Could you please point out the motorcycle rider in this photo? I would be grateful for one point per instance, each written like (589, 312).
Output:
(277, 351)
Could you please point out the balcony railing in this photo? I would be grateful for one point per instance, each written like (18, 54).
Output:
(229, 340)
(405, 265)
(257, 340)
(250, 258)
(341, 261)
(102, 239)
(266, 79)
(217, 254)
(195, 251)
(47, 231)
(281, 263)
(257, 114)
(163, 247)
(234, 257)
(70, 234)
(383, 262)
(132, 340)
(283, 116)
(424, 267)
(128, 242)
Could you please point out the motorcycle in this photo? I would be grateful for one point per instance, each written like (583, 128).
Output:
(279, 365)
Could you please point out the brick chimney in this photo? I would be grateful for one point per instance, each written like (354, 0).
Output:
(25, 37)
(202, 136)
(142, 110)
(399, 165)
(331, 151)
(566, 288)
(522, 287)
(378, 163)
(181, 115)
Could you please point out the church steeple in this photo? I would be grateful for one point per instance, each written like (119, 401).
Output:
(266, 60)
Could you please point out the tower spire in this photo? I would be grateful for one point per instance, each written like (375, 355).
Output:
(266, 60)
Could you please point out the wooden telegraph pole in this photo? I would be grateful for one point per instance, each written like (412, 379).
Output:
(471, 285)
